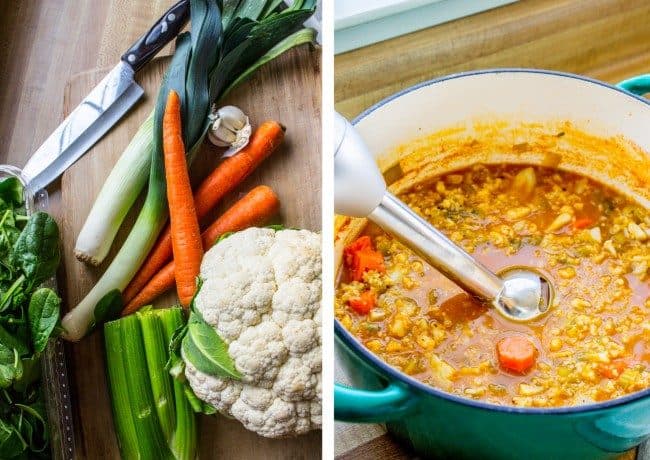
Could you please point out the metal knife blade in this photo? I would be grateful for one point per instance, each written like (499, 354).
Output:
(87, 123)
(105, 105)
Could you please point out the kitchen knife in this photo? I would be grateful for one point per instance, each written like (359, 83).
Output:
(104, 106)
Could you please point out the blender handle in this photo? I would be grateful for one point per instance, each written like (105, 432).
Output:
(638, 85)
(372, 406)
(358, 184)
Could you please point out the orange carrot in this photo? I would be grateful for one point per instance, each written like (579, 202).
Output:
(252, 210)
(360, 257)
(184, 225)
(582, 223)
(364, 303)
(235, 169)
(222, 180)
(161, 282)
(255, 208)
(612, 370)
(516, 354)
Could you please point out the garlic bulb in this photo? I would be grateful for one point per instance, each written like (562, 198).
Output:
(230, 128)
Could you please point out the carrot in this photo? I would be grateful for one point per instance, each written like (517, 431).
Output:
(184, 225)
(582, 223)
(360, 257)
(364, 303)
(161, 282)
(612, 370)
(516, 354)
(252, 210)
(360, 244)
(255, 208)
(235, 169)
(222, 180)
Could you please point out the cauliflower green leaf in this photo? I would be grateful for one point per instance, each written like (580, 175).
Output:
(203, 347)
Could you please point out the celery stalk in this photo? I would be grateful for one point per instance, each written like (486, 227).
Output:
(184, 442)
(151, 442)
(155, 349)
(153, 419)
(118, 382)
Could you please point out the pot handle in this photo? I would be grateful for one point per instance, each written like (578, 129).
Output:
(371, 406)
(639, 85)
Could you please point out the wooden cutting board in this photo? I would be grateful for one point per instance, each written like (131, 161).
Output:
(287, 90)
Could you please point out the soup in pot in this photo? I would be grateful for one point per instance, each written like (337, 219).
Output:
(592, 243)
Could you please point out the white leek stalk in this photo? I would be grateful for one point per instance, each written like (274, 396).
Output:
(116, 197)
(126, 263)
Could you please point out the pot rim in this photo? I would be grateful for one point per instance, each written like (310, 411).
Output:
(472, 73)
(349, 340)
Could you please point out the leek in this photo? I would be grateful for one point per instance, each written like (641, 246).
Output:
(126, 180)
(224, 50)
(151, 420)
(150, 221)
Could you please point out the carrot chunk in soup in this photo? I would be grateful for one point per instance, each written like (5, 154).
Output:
(360, 257)
(516, 354)
(364, 303)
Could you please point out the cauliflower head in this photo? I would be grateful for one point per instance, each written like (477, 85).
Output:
(261, 291)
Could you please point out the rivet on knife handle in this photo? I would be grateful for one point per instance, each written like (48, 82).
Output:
(162, 32)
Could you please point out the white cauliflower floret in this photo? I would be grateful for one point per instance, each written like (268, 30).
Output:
(296, 381)
(298, 335)
(261, 291)
(238, 284)
(258, 353)
(296, 299)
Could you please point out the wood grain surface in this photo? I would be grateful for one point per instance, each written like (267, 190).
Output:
(604, 39)
(287, 90)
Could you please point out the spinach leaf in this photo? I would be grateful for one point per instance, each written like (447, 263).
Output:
(9, 234)
(11, 191)
(29, 255)
(14, 295)
(34, 429)
(14, 342)
(11, 442)
(10, 366)
(36, 251)
(203, 347)
(43, 316)
(31, 373)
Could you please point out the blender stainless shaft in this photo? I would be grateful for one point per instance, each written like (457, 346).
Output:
(396, 218)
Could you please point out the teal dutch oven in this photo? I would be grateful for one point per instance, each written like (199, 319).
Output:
(441, 425)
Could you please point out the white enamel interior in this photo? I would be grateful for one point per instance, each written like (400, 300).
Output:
(518, 95)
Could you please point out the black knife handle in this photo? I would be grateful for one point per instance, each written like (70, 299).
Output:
(162, 32)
